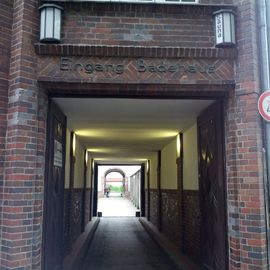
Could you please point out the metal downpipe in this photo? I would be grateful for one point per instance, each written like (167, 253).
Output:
(263, 8)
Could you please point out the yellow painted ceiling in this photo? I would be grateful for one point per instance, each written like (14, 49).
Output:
(128, 130)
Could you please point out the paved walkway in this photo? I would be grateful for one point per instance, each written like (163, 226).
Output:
(116, 206)
(123, 244)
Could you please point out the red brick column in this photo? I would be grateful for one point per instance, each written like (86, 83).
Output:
(245, 189)
(6, 9)
(21, 230)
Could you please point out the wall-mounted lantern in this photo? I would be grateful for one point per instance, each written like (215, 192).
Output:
(86, 157)
(50, 23)
(178, 146)
(225, 27)
(73, 137)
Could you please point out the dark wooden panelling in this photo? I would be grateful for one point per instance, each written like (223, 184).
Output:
(147, 197)
(170, 215)
(154, 206)
(73, 215)
(76, 213)
(192, 223)
(87, 206)
(67, 244)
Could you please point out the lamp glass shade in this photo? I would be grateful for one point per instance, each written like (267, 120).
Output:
(225, 28)
(57, 24)
(50, 23)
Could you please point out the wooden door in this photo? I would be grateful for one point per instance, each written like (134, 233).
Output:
(212, 188)
(54, 190)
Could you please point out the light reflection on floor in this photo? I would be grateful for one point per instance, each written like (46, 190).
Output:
(116, 206)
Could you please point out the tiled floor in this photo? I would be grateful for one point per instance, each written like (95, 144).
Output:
(123, 244)
(116, 206)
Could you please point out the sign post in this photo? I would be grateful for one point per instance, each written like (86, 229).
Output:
(264, 105)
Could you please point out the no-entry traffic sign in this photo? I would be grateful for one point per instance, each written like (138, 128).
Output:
(264, 105)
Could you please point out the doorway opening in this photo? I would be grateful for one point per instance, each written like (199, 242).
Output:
(119, 190)
(177, 147)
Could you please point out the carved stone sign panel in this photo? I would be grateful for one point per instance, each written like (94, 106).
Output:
(132, 70)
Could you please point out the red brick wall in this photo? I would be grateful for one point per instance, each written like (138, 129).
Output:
(23, 180)
(6, 12)
(21, 228)
(150, 25)
(246, 216)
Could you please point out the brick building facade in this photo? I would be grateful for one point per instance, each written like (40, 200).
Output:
(123, 38)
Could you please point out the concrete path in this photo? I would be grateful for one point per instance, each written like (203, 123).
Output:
(116, 206)
(123, 244)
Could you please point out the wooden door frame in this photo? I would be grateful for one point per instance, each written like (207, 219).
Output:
(222, 166)
(51, 106)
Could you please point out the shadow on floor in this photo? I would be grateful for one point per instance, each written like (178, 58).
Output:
(123, 244)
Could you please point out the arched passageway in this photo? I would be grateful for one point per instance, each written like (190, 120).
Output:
(117, 191)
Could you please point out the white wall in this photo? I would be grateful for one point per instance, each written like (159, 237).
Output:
(169, 166)
(79, 165)
(153, 171)
(89, 171)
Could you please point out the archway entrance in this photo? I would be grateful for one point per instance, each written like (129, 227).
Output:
(159, 135)
(114, 182)
(118, 190)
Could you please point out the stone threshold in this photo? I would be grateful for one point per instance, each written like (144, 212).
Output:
(179, 259)
(73, 260)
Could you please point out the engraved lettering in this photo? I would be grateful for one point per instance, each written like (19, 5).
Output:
(161, 68)
(65, 63)
(89, 68)
(192, 69)
(141, 66)
(211, 69)
(99, 67)
(172, 68)
(119, 69)
(78, 67)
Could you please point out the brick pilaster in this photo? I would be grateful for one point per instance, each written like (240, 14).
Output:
(245, 189)
(23, 174)
(6, 11)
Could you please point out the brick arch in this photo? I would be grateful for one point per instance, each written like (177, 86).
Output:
(114, 170)
(118, 171)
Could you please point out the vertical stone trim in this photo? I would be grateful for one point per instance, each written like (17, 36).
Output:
(24, 167)
(243, 137)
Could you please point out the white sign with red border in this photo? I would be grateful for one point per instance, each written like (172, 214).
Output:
(264, 105)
